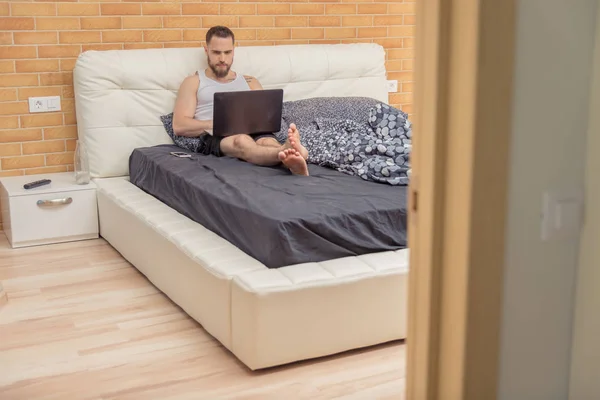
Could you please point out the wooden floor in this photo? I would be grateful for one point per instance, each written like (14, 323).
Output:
(82, 323)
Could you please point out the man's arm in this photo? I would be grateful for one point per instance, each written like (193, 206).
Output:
(184, 123)
(253, 83)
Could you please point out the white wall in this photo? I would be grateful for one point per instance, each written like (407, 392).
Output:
(554, 51)
(585, 363)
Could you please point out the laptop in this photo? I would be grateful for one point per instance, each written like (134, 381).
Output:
(247, 111)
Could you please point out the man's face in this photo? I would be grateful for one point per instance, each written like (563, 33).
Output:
(219, 54)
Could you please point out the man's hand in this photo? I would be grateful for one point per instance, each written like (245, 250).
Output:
(184, 123)
(253, 82)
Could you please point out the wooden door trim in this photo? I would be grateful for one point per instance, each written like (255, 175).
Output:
(463, 108)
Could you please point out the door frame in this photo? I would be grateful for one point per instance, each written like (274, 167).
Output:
(585, 350)
(458, 196)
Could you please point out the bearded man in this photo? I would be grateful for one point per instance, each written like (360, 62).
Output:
(193, 112)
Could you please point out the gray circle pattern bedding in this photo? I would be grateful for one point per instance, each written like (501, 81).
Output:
(355, 135)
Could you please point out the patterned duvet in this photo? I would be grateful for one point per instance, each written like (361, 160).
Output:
(357, 136)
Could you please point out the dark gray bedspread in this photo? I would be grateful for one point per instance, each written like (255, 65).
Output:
(278, 218)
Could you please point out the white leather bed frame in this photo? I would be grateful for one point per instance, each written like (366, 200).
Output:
(266, 317)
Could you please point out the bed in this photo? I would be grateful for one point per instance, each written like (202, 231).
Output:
(271, 301)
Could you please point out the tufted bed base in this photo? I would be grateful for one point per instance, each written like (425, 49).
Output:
(265, 317)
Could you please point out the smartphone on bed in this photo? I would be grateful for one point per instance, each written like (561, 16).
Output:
(180, 154)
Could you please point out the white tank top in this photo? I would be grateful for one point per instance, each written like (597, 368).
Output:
(208, 87)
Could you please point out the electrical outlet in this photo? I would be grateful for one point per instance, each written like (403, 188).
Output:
(392, 86)
(44, 104)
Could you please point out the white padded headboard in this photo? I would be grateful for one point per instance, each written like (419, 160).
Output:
(120, 94)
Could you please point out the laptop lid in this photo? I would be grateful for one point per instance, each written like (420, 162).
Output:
(247, 111)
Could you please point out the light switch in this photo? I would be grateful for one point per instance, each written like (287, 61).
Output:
(562, 215)
(54, 104)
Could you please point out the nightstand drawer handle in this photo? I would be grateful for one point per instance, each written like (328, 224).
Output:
(54, 202)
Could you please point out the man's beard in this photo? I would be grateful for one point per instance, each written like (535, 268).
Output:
(219, 73)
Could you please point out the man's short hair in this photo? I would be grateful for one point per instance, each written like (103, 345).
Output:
(219, 31)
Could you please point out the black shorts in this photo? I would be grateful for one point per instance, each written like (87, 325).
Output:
(211, 145)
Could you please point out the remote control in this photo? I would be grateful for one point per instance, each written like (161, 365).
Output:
(35, 184)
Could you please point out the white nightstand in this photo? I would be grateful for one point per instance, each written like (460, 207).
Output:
(61, 211)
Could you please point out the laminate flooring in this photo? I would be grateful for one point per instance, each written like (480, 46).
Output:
(82, 323)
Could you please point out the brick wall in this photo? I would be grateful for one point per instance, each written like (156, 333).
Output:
(39, 43)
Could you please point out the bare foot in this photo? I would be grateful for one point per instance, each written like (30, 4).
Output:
(294, 141)
(294, 161)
